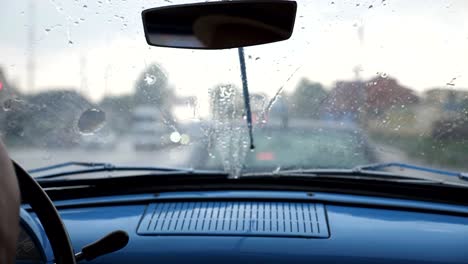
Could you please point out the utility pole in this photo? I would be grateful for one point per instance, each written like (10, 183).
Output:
(106, 79)
(363, 118)
(83, 76)
(31, 61)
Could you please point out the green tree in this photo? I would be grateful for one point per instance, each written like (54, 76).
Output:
(307, 99)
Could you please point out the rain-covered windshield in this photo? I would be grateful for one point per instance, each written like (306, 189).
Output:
(359, 82)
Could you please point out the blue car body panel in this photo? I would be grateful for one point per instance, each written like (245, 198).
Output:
(360, 231)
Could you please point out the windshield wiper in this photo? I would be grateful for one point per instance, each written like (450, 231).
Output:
(245, 91)
(95, 167)
(381, 166)
(366, 172)
(335, 173)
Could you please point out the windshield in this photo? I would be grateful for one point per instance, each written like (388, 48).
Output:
(359, 82)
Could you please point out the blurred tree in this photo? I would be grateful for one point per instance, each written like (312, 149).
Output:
(387, 93)
(7, 95)
(152, 87)
(346, 101)
(47, 119)
(7, 90)
(307, 99)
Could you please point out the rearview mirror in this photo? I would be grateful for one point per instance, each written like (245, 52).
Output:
(220, 25)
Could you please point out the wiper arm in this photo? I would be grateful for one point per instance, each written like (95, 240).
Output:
(94, 167)
(69, 164)
(380, 166)
(245, 90)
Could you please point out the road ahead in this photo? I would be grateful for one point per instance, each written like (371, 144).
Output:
(122, 154)
(175, 156)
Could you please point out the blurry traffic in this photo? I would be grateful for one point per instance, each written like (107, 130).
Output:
(312, 127)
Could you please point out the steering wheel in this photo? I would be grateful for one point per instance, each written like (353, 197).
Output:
(32, 193)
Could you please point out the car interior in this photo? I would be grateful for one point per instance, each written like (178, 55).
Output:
(330, 200)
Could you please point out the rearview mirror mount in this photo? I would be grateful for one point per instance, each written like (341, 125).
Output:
(220, 25)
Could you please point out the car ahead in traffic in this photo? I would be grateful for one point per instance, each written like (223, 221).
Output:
(101, 140)
(149, 132)
(255, 191)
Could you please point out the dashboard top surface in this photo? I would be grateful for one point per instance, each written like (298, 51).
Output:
(358, 232)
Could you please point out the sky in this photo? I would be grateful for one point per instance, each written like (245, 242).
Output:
(98, 47)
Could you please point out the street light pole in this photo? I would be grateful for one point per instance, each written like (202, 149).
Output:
(31, 67)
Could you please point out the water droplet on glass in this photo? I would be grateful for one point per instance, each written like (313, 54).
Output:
(85, 6)
(47, 30)
(70, 42)
(91, 121)
(82, 19)
(371, 6)
(452, 82)
(7, 105)
(12, 104)
(383, 75)
(150, 79)
(277, 170)
(47, 156)
(11, 124)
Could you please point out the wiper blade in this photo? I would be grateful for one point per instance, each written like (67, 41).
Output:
(357, 173)
(69, 164)
(381, 166)
(337, 173)
(95, 167)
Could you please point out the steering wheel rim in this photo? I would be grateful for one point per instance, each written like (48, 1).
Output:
(32, 193)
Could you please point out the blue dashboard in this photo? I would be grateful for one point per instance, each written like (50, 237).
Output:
(266, 227)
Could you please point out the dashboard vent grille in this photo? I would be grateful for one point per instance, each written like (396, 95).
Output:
(254, 218)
